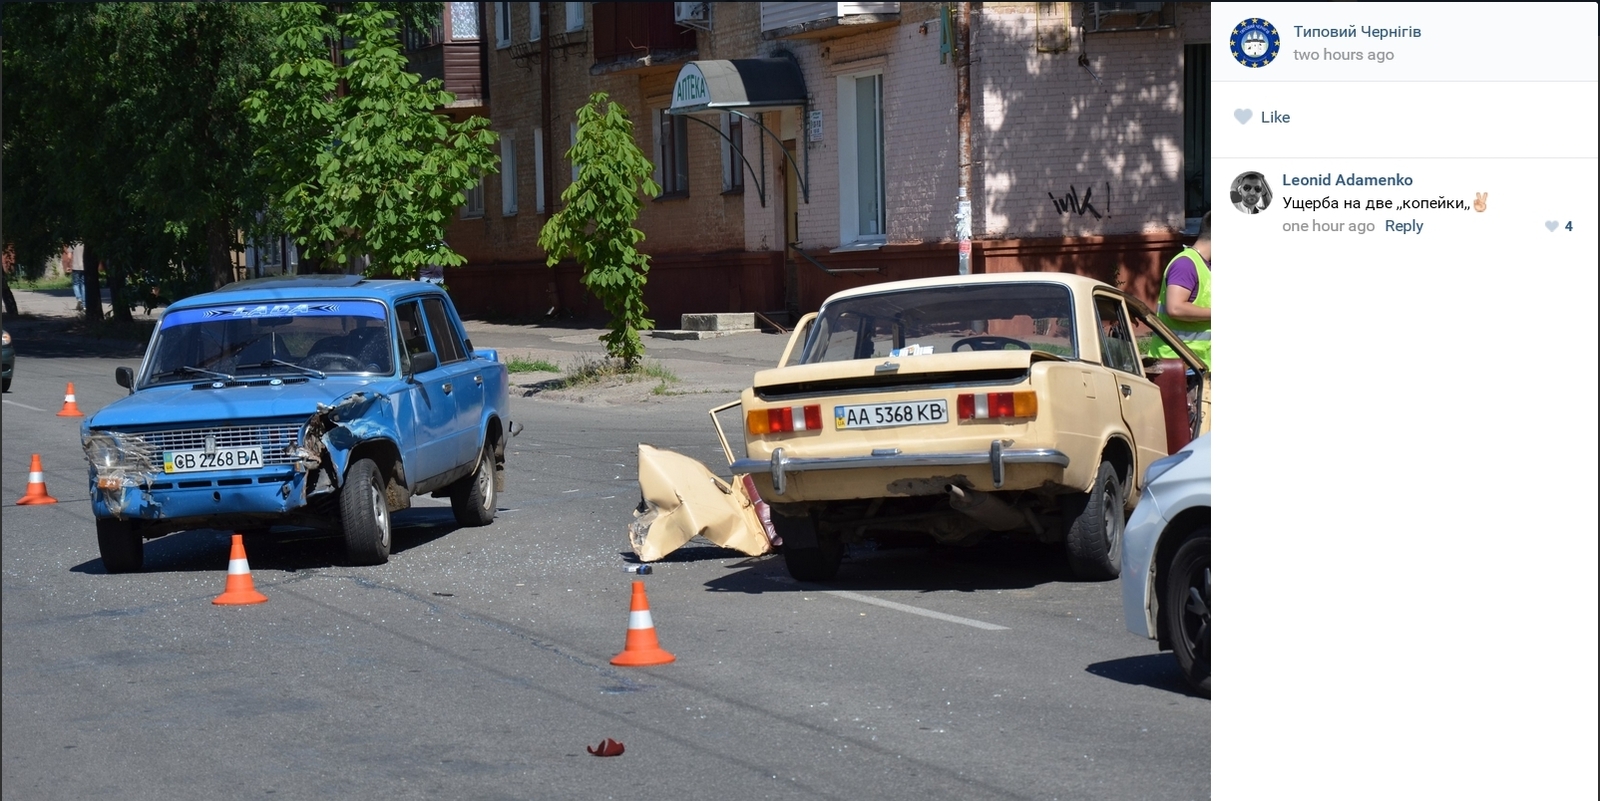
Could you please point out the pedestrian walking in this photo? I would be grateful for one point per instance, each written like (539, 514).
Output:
(72, 262)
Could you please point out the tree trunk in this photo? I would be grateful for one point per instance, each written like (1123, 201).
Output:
(116, 278)
(219, 256)
(91, 283)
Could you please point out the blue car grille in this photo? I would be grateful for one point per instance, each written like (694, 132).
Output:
(277, 442)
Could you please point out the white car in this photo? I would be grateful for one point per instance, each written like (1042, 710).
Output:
(1166, 561)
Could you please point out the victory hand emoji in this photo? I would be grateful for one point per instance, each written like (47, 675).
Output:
(1481, 203)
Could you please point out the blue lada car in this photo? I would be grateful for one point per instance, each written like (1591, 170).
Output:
(325, 401)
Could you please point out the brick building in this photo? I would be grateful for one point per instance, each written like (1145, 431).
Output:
(1088, 137)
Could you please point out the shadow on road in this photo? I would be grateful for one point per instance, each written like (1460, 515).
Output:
(1159, 671)
(991, 566)
(283, 548)
(68, 338)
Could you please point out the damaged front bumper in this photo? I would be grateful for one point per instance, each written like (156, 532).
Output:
(215, 496)
(129, 478)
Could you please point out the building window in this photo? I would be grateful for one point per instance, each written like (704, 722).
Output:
(508, 174)
(574, 17)
(269, 255)
(463, 21)
(502, 24)
(861, 184)
(672, 153)
(474, 205)
(533, 22)
(732, 147)
(538, 170)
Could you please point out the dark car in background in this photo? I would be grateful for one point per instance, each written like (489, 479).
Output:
(8, 361)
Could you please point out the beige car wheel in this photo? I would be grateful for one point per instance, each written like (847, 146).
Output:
(1095, 522)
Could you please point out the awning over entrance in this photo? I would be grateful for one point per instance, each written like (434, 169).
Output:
(750, 85)
(744, 87)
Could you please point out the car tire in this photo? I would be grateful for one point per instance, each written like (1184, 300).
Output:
(121, 546)
(1186, 604)
(364, 511)
(1095, 523)
(473, 498)
(5, 385)
(818, 562)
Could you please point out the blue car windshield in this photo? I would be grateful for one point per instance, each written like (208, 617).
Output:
(251, 340)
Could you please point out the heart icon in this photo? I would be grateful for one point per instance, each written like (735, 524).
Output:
(1551, 224)
(1242, 115)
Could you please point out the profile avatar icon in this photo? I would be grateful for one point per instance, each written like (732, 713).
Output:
(1254, 42)
(1250, 193)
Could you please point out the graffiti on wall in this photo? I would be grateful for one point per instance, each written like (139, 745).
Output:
(1072, 203)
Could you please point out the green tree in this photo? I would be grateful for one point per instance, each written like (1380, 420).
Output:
(361, 160)
(124, 131)
(595, 224)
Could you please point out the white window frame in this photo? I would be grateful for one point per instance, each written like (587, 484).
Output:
(849, 184)
(473, 207)
(533, 22)
(732, 146)
(574, 17)
(538, 170)
(502, 25)
(508, 174)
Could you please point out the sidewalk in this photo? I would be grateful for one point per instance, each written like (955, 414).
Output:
(59, 303)
(49, 325)
(723, 364)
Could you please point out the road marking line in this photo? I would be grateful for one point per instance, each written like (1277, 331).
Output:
(867, 599)
(24, 405)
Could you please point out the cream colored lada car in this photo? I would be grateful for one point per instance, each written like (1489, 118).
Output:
(961, 407)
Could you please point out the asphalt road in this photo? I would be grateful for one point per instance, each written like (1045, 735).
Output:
(476, 663)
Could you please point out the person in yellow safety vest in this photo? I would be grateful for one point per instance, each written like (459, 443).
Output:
(1185, 301)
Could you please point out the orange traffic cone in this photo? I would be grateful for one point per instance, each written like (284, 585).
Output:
(642, 648)
(241, 588)
(36, 492)
(69, 407)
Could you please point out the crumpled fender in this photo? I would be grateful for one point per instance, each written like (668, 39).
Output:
(683, 499)
(335, 430)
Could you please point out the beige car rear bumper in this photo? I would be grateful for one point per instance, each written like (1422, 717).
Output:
(781, 467)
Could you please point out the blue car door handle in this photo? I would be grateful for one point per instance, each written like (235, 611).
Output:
(448, 387)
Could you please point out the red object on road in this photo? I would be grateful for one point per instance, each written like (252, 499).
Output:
(607, 747)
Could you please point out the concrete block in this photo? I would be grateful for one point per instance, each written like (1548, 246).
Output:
(697, 335)
(727, 321)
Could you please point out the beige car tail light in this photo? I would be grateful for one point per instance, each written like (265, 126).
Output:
(784, 419)
(996, 405)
